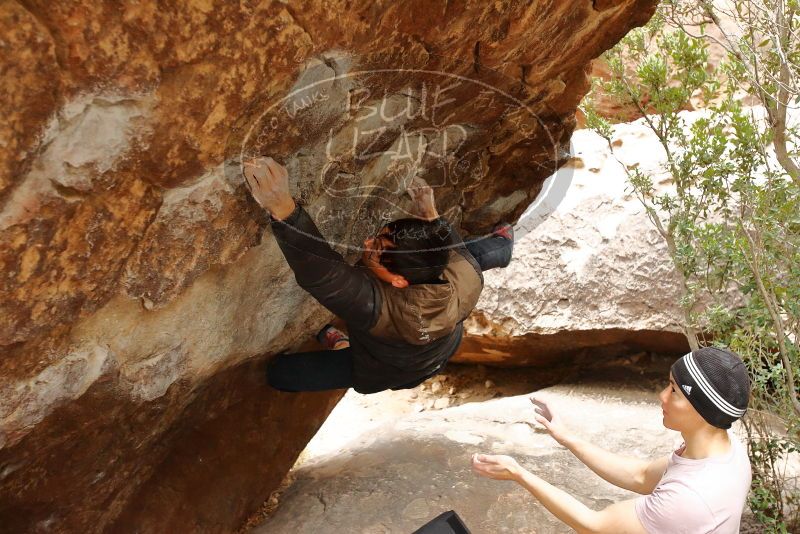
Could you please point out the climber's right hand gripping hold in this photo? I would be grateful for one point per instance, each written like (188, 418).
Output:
(268, 182)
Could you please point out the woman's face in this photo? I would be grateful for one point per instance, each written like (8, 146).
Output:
(678, 412)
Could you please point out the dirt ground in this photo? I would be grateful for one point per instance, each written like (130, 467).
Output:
(459, 384)
(356, 414)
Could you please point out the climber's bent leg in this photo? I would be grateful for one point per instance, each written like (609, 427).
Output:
(312, 371)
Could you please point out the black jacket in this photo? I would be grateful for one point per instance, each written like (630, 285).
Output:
(387, 352)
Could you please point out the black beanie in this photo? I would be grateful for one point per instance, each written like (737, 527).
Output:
(716, 383)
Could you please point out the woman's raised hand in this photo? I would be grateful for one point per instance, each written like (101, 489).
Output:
(550, 419)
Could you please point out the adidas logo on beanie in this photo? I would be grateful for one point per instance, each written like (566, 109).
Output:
(716, 382)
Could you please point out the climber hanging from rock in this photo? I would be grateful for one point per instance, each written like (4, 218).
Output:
(403, 303)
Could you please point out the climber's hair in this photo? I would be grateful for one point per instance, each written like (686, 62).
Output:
(421, 249)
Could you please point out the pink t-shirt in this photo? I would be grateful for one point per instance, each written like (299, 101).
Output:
(698, 496)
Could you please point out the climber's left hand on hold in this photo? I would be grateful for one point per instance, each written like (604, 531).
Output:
(422, 196)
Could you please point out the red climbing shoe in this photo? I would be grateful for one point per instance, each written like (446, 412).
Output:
(329, 336)
(504, 229)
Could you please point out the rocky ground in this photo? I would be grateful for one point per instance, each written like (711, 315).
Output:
(389, 462)
(461, 384)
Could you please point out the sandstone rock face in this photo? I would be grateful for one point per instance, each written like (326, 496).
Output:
(401, 475)
(593, 278)
(140, 292)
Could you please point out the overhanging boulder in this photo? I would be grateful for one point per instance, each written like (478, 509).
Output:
(139, 296)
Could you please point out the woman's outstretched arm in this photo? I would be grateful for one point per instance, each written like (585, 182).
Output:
(632, 474)
(619, 518)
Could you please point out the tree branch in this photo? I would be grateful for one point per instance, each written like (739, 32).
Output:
(772, 309)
